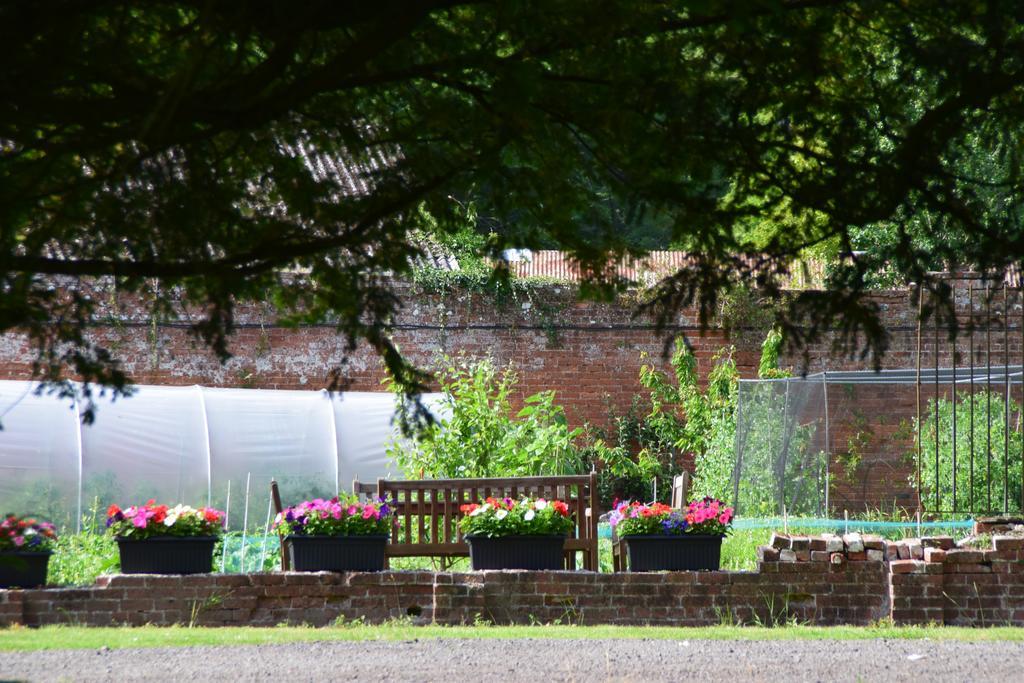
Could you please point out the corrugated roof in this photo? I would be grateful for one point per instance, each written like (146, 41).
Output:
(559, 265)
(550, 263)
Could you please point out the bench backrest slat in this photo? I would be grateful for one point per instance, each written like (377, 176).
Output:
(433, 508)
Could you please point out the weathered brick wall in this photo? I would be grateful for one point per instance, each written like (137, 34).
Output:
(962, 586)
(588, 352)
(828, 580)
(812, 592)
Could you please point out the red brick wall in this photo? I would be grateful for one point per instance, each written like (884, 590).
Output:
(588, 352)
(848, 586)
(812, 592)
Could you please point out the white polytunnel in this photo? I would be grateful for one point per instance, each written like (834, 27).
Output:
(193, 444)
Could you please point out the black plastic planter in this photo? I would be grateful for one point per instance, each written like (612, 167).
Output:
(516, 552)
(337, 553)
(23, 569)
(673, 553)
(167, 555)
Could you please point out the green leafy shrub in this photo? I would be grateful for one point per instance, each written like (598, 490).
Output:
(79, 558)
(481, 437)
(979, 488)
(675, 421)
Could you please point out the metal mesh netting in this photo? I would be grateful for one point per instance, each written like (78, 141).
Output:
(830, 442)
(782, 463)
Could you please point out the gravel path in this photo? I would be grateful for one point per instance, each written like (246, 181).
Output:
(454, 661)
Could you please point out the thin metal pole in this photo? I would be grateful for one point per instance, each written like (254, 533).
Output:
(227, 521)
(783, 451)
(970, 332)
(920, 309)
(955, 406)
(828, 442)
(988, 396)
(1006, 400)
(245, 520)
(938, 480)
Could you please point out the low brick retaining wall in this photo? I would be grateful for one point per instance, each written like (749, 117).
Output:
(828, 580)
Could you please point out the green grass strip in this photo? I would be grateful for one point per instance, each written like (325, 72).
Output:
(76, 637)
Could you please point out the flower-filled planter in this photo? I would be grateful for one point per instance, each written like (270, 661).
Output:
(524, 534)
(336, 535)
(157, 539)
(656, 538)
(25, 548)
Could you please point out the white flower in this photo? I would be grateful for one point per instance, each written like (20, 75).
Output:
(170, 519)
(480, 510)
(530, 514)
(501, 514)
(541, 504)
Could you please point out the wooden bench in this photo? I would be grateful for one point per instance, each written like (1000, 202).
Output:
(428, 510)
(680, 490)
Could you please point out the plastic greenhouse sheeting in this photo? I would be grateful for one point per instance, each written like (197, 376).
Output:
(190, 444)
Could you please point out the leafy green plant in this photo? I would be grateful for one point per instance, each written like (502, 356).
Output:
(481, 437)
(624, 473)
(980, 474)
(79, 558)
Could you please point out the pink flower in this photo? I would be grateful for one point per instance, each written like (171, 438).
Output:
(369, 511)
(723, 518)
(139, 520)
(19, 540)
(352, 509)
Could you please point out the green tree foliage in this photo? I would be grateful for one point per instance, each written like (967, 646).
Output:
(186, 152)
(479, 435)
(981, 478)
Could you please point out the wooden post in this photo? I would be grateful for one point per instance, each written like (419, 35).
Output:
(275, 496)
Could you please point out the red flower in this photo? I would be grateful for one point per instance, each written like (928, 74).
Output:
(112, 510)
(468, 508)
(561, 508)
(211, 516)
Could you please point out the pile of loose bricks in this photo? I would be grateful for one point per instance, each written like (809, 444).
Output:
(930, 579)
(851, 579)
